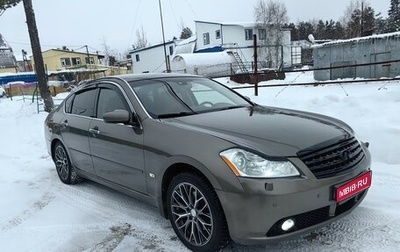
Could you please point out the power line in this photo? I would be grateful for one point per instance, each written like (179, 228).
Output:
(174, 15)
(190, 7)
(46, 45)
(134, 25)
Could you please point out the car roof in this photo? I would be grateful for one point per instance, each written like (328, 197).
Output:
(146, 76)
(136, 77)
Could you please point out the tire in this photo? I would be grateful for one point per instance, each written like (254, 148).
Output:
(196, 214)
(66, 172)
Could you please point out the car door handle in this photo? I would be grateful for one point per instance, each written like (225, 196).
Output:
(95, 130)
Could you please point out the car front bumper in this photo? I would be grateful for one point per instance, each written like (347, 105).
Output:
(256, 215)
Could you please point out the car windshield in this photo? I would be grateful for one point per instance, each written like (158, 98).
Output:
(173, 97)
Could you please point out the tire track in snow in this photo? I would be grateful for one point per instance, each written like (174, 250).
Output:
(140, 221)
(112, 240)
(44, 200)
(99, 200)
(36, 207)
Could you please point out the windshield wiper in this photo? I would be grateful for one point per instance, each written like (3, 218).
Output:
(231, 107)
(178, 114)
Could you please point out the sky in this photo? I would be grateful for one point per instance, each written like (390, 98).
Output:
(39, 213)
(104, 24)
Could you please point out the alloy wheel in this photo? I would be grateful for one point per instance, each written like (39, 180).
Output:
(192, 214)
(62, 162)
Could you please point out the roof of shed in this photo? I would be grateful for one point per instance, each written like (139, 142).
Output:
(359, 39)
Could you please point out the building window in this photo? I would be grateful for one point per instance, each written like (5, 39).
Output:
(171, 50)
(89, 60)
(206, 38)
(262, 34)
(137, 57)
(248, 34)
(218, 34)
(65, 62)
(76, 61)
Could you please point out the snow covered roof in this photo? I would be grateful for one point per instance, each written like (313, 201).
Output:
(153, 46)
(72, 51)
(186, 46)
(244, 24)
(187, 41)
(77, 70)
(359, 39)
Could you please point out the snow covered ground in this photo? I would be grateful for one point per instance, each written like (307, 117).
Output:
(39, 213)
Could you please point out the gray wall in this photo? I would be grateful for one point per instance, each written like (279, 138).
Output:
(358, 51)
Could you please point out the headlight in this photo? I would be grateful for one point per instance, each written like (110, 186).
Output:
(246, 164)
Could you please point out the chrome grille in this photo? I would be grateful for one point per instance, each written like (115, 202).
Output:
(334, 159)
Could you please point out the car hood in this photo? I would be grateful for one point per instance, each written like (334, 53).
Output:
(272, 131)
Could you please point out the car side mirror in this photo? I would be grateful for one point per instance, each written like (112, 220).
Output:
(117, 116)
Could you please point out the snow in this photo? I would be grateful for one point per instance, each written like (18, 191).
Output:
(39, 213)
(359, 39)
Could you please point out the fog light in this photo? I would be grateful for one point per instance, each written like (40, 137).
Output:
(287, 224)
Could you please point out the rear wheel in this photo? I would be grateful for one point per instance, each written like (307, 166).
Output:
(196, 214)
(66, 172)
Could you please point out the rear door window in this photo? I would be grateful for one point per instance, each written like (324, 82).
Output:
(83, 103)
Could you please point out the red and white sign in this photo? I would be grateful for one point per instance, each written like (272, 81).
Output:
(353, 187)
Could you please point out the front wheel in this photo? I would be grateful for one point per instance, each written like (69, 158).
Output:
(196, 214)
(65, 170)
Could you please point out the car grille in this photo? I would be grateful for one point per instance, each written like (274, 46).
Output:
(313, 217)
(334, 159)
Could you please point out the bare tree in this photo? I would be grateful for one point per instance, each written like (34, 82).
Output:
(270, 17)
(348, 12)
(37, 56)
(141, 39)
(110, 54)
(5, 4)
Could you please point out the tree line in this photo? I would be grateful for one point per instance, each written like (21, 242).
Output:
(359, 19)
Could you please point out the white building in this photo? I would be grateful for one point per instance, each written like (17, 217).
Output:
(238, 38)
(151, 59)
(233, 39)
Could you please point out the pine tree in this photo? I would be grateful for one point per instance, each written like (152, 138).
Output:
(394, 16)
(294, 31)
(339, 31)
(369, 21)
(320, 30)
(305, 29)
(186, 33)
(380, 24)
(361, 23)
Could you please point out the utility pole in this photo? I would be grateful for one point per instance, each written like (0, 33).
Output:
(37, 56)
(88, 56)
(88, 62)
(167, 67)
(255, 65)
(362, 19)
